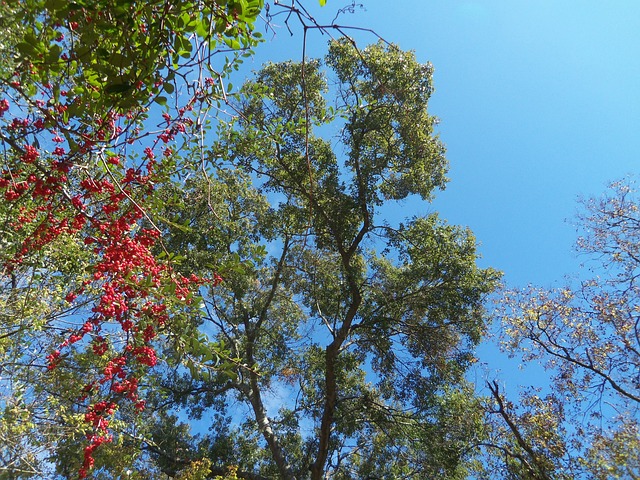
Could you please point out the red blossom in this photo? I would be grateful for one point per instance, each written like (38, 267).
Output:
(100, 349)
(149, 333)
(77, 202)
(53, 359)
(11, 195)
(146, 356)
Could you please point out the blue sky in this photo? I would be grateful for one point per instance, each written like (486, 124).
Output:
(538, 101)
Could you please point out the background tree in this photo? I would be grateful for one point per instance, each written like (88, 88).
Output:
(589, 339)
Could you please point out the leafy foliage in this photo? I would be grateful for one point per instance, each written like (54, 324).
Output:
(349, 338)
(327, 339)
(83, 297)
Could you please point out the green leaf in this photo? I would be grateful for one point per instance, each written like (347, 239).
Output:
(26, 49)
(118, 87)
(168, 88)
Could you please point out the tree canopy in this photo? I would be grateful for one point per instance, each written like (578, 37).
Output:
(202, 282)
(161, 260)
(363, 330)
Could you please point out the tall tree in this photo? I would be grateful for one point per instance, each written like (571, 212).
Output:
(349, 335)
(589, 339)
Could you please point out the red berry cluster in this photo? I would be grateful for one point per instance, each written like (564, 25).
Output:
(51, 181)
(107, 211)
(97, 415)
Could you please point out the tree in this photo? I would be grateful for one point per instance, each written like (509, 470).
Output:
(588, 338)
(120, 208)
(358, 330)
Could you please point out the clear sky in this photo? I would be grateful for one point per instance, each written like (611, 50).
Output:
(538, 101)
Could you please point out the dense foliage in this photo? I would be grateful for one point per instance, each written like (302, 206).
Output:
(83, 294)
(358, 330)
(124, 201)
(197, 282)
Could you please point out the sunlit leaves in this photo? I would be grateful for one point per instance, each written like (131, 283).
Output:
(77, 181)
